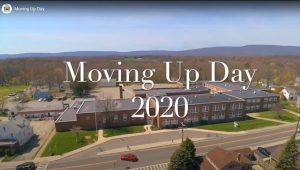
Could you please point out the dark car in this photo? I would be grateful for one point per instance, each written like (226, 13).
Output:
(129, 157)
(264, 151)
(26, 166)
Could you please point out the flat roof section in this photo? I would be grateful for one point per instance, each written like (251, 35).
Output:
(244, 94)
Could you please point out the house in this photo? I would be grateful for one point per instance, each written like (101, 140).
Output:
(221, 159)
(91, 114)
(297, 82)
(42, 95)
(289, 93)
(15, 132)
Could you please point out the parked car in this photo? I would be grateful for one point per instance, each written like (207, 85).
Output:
(264, 151)
(40, 100)
(26, 166)
(129, 157)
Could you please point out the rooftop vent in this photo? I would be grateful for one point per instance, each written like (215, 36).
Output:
(75, 107)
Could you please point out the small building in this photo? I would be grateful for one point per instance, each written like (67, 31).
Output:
(221, 159)
(42, 95)
(15, 132)
(289, 93)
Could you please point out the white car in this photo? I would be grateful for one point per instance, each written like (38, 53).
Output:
(40, 100)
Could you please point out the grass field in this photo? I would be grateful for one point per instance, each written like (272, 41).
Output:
(122, 130)
(5, 90)
(284, 116)
(244, 125)
(290, 106)
(63, 142)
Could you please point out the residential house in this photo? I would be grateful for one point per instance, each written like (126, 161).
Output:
(289, 93)
(221, 159)
(15, 132)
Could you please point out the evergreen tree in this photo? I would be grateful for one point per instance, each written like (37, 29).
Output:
(184, 157)
(288, 156)
(81, 88)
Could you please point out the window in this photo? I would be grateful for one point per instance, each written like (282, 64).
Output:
(233, 106)
(194, 109)
(204, 117)
(240, 105)
(205, 108)
(222, 116)
(275, 99)
(216, 107)
(116, 117)
(223, 106)
(266, 99)
(257, 100)
(124, 117)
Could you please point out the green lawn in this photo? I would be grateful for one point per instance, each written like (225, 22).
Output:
(244, 125)
(290, 106)
(8, 158)
(63, 142)
(5, 90)
(284, 116)
(122, 130)
(298, 141)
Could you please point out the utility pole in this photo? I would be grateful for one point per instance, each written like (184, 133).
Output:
(298, 105)
(182, 126)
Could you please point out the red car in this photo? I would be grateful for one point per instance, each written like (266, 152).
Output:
(129, 157)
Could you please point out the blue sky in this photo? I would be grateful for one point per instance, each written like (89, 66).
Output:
(147, 26)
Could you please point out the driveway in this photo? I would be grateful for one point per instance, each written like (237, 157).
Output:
(41, 130)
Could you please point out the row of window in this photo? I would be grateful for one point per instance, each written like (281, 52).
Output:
(216, 107)
(266, 99)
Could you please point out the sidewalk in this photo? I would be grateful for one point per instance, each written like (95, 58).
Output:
(292, 112)
(255, 115)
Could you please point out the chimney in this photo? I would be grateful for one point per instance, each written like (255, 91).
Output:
(121, 91)
(239, 157)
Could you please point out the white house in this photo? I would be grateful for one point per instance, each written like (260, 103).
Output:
(16, 129)
(289, 93)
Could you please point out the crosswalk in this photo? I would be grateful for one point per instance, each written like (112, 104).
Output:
(42, 166)
(163, 166)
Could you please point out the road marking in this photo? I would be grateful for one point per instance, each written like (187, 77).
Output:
(162, 166)
(242, 139)
(85, 165)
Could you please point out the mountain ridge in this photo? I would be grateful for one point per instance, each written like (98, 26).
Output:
(225, 51)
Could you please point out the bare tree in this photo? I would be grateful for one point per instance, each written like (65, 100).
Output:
(107, 105)
(277, 107)
(76, 131)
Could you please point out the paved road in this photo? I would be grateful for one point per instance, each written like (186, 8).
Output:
(88, 161)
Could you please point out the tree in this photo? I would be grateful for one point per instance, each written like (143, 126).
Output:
(289, 156)
(107, 105)
(81, 89)
(277, 108)
(76, 131)
(184, 157)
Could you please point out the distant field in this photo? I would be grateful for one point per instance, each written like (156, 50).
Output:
(244, 125)
(284, 116)
(63, 142)
(5, 90)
